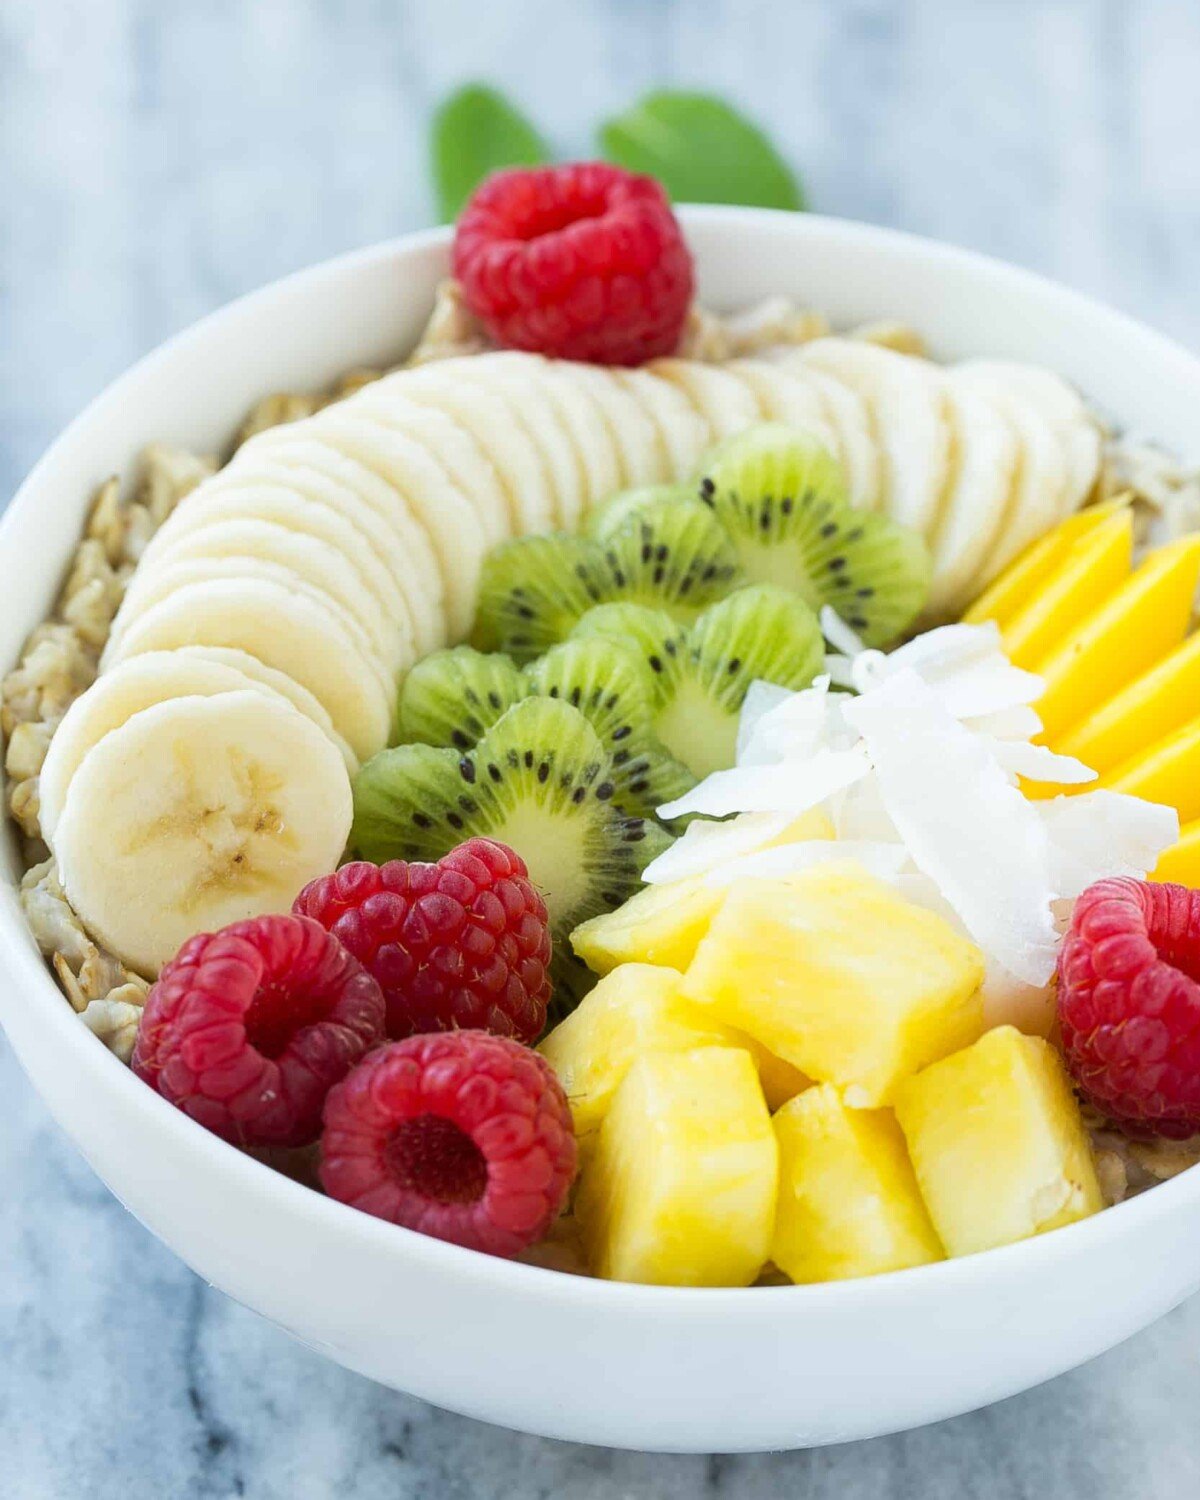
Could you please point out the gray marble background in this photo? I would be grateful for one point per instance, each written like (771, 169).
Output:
(158, 157)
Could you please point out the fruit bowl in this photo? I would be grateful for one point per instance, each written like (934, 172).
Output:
(534, 1349)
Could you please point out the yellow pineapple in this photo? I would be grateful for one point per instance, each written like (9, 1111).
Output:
(780, 1079)
(998, 1143)
(833, 972)
(635, 1010)
(680, 1189)
(849, 1204)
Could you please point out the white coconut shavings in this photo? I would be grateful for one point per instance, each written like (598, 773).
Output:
(919, 777)
(838, 633)
(761, 698)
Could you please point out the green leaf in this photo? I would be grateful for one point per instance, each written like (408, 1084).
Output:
(701, 150)
(477, 131)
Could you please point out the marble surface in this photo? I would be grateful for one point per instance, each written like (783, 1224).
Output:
(158, 157)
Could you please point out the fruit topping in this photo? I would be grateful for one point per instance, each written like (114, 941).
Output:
(247, 1029)
(782, 498)
(461, 1135)
(997, 1143)
(584, 262)
(463, 944)
(1129, 1004)
(538, 781)
(681, 1187)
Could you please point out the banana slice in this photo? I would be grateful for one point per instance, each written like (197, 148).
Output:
(197, 812)
(1064, 407)
(116, 696)
(684, 434)
(489, 419)
(634, 435)
(151, 587)
(436, 501)
(583, 421)
(726, 403)
(787, 397)
(303, 452)
(450, 444)
(1040, 478)
(847, 415)
(325, 568)
(285, 629)
(903, 398)
(320, 472)
(983, 460)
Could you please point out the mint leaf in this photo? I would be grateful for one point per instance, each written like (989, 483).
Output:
(477, 131)
(701, 150)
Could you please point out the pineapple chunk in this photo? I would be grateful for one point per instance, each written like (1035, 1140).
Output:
(680, 1190)
(780, 1080)
(849, 1204)
(833, 972)
(663, 924)
(998, 1143)
(635, 1010)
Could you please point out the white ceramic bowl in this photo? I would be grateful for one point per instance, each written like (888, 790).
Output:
(635, 1367)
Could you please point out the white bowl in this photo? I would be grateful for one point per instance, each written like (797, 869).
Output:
(634, 1367)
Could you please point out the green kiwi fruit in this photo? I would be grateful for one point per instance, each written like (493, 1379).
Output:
(539, 780)
(611, 514)
(533, 590)
(454, 697)
(700, 675)
(671, 553)
(782, 497)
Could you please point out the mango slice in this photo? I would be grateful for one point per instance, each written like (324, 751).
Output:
(849, 1204)
(1093, 569)
(1134, 628)
(1023, 579)
(1180, 864)
(680, 1190)
(833, 972)
(998, 1143)
(1168, 772)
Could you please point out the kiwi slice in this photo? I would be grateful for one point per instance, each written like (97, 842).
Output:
(454, 697)
(539, 780)
(669, 552)
(611, 514)
(700, 675)
(783, 499)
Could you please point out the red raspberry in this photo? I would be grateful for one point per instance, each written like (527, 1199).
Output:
(460, 944)
(463, 1135)
(582, 262)
(248, 1028)
(1129, 1004)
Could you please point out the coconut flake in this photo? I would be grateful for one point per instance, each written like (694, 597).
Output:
(884, 861)
(1037, 762)
(761, 697)
(704, 846)
(1019, 723)
(838, 633)
(1103, 833)
(793, 786)
(963, 822)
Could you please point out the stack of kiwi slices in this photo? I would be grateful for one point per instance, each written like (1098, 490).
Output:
(607, 671)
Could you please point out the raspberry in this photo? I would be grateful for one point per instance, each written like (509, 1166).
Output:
(457, 945)
(464, 1135)
(248, 1028)
(1129, 1004)
(583, 262)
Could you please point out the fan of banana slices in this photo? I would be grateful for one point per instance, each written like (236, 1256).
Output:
(253, 664)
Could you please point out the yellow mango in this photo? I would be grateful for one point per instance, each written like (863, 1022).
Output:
(635, 1010)
(1180, 864)
(1168, 772)
(833, 972)
(1023, 579)
(849, 1204)
(998, 1143)
(1146, 617)
(1140, 715)
(1092, 570)
(662, 924)
(680, 1190)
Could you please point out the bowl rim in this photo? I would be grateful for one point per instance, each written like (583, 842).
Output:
(183, 1136)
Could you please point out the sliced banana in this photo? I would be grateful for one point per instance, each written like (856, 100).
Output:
(847, 415)
(983, 460)
(785, 396)
(307, 451)
(436, 501)
(583, 421)
(726, 403)
(115, 697)
(903, 396)
(197, 812)
(285, 629)
(684, 434)
(489, 418)
(325, 568)
(636, 438)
